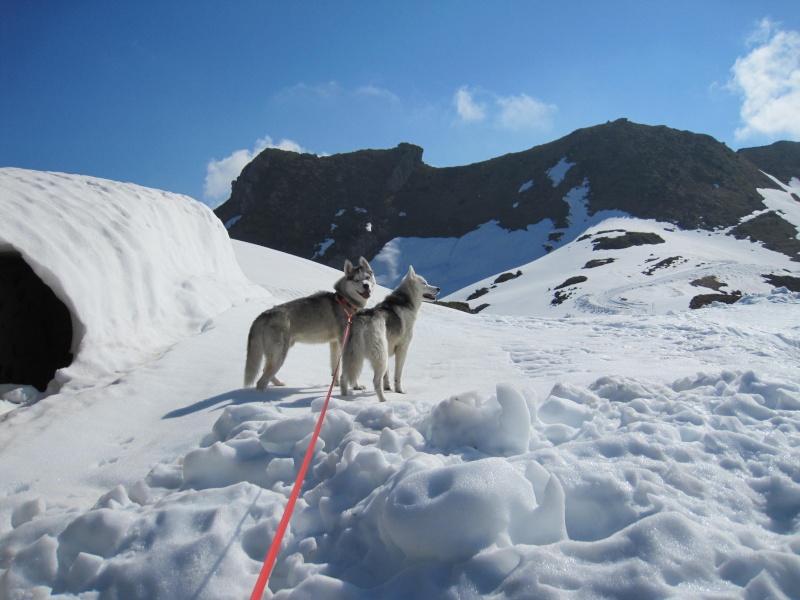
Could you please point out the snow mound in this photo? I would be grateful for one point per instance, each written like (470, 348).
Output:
(653, 490)
(137, 268)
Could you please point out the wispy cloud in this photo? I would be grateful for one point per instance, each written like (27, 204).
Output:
(323, 91)
(372, 91)
(768, 80)
(504, 112)
(524, 112)
(466, 106)
(334, 91)
(220, 173)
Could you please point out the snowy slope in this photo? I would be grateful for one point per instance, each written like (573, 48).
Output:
(603, 455)
(641, 279)
(554, 255)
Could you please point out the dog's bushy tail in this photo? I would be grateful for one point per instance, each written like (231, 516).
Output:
(255, 352)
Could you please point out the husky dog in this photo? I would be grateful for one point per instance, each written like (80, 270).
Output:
(386, 330)
(315, 319)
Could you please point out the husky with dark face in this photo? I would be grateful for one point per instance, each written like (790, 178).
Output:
(384, 331)
(317, 319)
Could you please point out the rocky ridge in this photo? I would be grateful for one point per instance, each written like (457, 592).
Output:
(328, 208)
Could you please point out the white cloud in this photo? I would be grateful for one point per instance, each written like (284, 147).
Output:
(220, 173)
(323, 91)
(768, 79)
(504, 112)
(376, 92)
(524, 112)
(468, 109)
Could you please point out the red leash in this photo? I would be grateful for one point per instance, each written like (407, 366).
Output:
(269, 561)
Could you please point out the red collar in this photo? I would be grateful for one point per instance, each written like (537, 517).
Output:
(346, 304)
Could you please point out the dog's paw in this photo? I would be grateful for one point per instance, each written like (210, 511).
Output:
(359, 387)
(277, 382)
(399, 388)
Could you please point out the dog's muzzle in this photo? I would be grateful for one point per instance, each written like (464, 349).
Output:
(431, 297)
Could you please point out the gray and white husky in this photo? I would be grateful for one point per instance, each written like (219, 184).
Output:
(385, 330)
(316, 319)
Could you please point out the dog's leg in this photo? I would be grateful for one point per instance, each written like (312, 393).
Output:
(377, 382)
(400, 354)
(345, 382)
(268, 377)
(350, 368)
(272, 365)
(335, 348)
(379, 359)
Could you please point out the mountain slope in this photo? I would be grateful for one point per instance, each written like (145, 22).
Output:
(633, 266)
(781, 159)
(342, 206)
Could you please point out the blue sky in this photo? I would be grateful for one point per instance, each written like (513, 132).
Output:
(178, 95)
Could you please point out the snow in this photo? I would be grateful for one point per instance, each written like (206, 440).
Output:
(323, 247)
(557, 172)
(641, 453)
(641, 279)
(457, 262)
(452, 263)
(139, 269)
(232, 221)
(782, 200)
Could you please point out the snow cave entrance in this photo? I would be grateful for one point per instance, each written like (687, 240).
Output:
(35, 326)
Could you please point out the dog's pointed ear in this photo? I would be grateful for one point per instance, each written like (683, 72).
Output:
(411, 271)
(348, 266)
(363, 262)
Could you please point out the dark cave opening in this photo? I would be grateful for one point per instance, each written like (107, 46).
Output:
(35, 326)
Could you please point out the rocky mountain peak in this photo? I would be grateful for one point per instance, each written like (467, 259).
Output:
(328, 208)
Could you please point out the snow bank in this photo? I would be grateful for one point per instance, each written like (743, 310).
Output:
(624, 488)
(137, 268)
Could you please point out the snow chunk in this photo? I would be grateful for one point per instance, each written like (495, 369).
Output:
(453, 512)
(498, 426)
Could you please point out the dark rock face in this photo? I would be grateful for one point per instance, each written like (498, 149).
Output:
(295, 202)
(708, 299)
(781, 159)
(347, 205)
